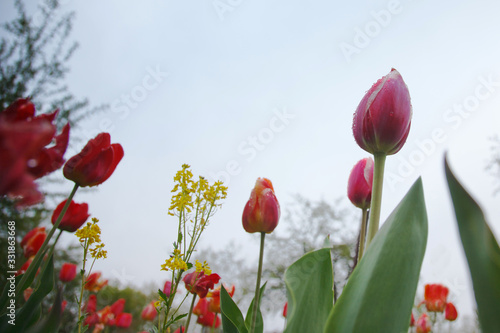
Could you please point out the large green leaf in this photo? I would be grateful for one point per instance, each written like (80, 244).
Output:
(29, 313)
(232, 319)
(482, 252)
(309, 283)
(380, 292)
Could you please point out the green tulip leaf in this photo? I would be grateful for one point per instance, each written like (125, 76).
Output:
(482, 252)
(309, 283)
(380, 292)
(30, 312)
(232, 319)
(259, 323)
(50, 324)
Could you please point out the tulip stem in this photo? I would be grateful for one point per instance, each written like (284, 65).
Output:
(190, 313)
(39, 256)
(362, 234)
(376, 201)
(257, 287)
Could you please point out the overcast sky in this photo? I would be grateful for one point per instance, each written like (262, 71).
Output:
(245, 89)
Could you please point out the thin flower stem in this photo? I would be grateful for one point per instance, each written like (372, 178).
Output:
(46, 262)
(82, 272)
(190, 313)
(376, 202)
(257, 287)
(362, 233)
(39, 256)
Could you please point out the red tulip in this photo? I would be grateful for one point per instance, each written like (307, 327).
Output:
(23, 155)
(33, 241)
(262, 211)
(75, 216)
(214, 298)
(149, 312)
(383, 117)
(285, 309)
(91, 305)
(68, 272)
(209, 319)
(450, 312)
(201, 307)
(412, 320)
(423, 324)
(106, 316)
(359, 188)
(123, 320)
(118, 306)
(180, 330)
(91, 319)
(199, 283)
(435, 297)
(167, 288)
(95, 163)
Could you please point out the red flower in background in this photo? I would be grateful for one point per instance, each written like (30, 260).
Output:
(285, 309)
(25, 266)
(95, 163)
(118, 306)
(180, 330)
(450, 312)
(214, 298)
(68, 272)
(262, 211)
(75, 216)
(382, 119)
(359, 186)
(199, 283)
(33, 241)
(209, 319)
(435, 297)
(91, 305)
(94, 282)
(23, 153)
(124, 320)
(149, 312)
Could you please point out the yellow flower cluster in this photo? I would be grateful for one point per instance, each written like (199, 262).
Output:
(90, 233)
(174, 262)
(202, 267)
(98, 252)
(184, 188)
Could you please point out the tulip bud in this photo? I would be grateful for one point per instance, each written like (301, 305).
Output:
(450, 312)
(382, 120)
(68, 272)
(123, 320)
(95, 163)
(75, 216)
(435, 297)
(359, 188)
(262, 211)
(149, 312)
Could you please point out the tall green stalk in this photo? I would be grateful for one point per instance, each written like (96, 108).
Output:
(190, 314)
(39, 256)
(257, 287)
(376, 201)
(362, 234)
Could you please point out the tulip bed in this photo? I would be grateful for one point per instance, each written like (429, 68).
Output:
(378, 297)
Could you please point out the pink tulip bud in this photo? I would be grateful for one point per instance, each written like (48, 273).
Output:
(423, 324)
(383, 117)
(262, 211)
(359, 187)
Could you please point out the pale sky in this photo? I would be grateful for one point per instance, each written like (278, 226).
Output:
(245, 89)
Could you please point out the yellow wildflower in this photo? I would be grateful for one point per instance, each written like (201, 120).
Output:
(202, 267)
